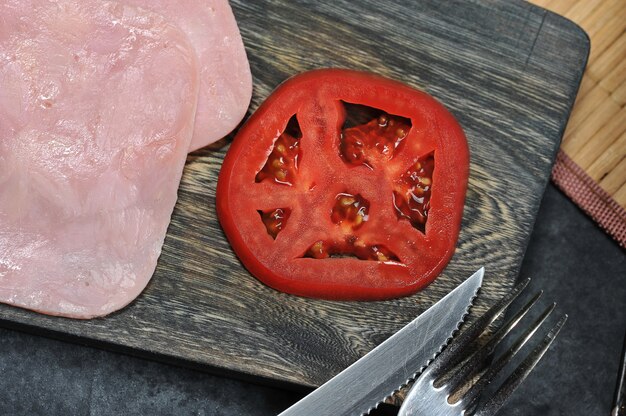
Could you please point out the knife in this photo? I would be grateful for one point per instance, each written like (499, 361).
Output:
(619, 400)
(369, 381)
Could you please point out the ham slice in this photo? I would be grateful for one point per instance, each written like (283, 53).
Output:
(225, 79)
(97, 104)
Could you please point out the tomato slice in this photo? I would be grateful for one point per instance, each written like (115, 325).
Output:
(345, 185)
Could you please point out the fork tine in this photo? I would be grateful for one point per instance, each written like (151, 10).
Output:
(478, 358)
(521, 372)
(473, 393)
(453, 354)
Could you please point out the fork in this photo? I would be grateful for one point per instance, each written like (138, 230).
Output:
(429, 395)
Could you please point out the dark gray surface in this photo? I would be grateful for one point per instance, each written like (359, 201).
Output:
(569, 257)
(584, 271)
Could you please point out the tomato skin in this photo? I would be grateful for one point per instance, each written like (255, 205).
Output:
(316, 98)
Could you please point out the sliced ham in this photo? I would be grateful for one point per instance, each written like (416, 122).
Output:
(225, 80)
(97, 104)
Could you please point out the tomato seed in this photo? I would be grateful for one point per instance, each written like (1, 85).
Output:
(373, 142)
(275, 220)
(318, 251)
(411, 197)
(351, 210)
(351, 247)
(282, 163)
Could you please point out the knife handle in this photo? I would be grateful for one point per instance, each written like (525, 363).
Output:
(619, 401)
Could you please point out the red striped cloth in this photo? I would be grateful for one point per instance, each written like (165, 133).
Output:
(587, 194)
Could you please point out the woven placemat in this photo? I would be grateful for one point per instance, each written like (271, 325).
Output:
(590, 197)
(591, 165)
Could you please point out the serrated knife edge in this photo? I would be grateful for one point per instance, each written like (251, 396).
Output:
(432, 358)
(362, 386)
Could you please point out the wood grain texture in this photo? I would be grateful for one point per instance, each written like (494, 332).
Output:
(509, 71)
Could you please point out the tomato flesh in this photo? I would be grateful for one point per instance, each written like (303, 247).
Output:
(351, 212)
(317, 201)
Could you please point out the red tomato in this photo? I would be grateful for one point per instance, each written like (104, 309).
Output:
(345, 185)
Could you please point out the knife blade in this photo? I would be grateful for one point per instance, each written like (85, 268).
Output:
(368, 381)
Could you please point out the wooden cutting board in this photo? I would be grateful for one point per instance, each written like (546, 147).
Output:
(509, 71)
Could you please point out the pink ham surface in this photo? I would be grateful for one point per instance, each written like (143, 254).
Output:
(225, 79)
(97, 103)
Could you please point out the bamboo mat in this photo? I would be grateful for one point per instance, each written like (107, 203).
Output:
(591, 165)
